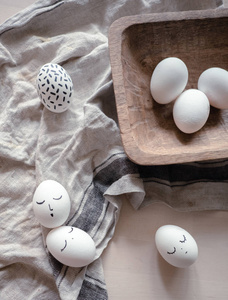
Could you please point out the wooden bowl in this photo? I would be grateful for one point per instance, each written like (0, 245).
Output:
(137, 44)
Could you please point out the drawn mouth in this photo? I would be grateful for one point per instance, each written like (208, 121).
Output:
(52, 215)
(64, 246)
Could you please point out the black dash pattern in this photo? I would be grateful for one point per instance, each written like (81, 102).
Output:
(53, 94)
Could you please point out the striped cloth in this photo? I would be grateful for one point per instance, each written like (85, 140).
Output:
(188, 187)
(80, 148)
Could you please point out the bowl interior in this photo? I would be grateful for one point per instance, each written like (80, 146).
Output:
(201, 44)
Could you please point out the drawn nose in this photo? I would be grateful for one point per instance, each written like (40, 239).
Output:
(51, 209)
(185, 251)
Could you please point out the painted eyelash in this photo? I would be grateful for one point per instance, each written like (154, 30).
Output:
(183, 240)
(71, 230)
(40, 202)
(57, 198)
(173, 251)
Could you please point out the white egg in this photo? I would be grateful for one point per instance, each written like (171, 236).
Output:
(176, 246)
(71, 246)
(168, 80)
(191, 110)
(54, 87)
(51, 204)
(214, 83)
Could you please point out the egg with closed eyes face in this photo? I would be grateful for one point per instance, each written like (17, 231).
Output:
(71, 246)
(176, 246)
(51, 204)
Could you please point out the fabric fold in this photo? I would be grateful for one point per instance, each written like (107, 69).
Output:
(80, 148)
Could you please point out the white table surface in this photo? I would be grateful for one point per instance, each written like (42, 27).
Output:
(133, 268)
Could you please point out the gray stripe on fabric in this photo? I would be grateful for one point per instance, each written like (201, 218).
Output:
(95, 204)
(91, 291)
(102, 180)
(185, 172)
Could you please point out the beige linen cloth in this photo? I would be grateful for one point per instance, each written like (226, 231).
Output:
(80, 148)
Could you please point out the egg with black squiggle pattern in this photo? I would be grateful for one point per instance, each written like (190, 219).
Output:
(54, 87)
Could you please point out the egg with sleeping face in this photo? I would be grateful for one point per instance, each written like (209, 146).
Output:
(51, 204)
(71, 246)
(176, 246)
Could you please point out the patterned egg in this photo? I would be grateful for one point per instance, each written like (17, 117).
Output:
(54, 87)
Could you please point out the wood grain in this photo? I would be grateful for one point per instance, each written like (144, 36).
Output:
(137, 44)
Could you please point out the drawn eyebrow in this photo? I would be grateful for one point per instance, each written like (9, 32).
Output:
(183, 240)
(71, 230)
(40, 202)
(173, 251)
(64, 246)
(57, 198)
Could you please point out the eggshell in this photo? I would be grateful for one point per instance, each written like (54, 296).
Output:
(51, 204)
(71, 246)
(214, 83)
(168, 80)
(54, 87)
(191, 110)
(176, 246)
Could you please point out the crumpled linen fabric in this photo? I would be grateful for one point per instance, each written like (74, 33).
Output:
(80, 148)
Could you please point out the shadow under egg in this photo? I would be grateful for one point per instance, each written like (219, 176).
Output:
(173, 278)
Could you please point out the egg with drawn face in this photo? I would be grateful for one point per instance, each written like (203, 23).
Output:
(176, 246)
(51, 204)
(71, 246)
